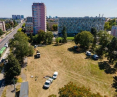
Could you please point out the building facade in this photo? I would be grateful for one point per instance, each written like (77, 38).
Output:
(114, 31)
(29, 27)
(22, 16)
(39, 17)
(17, 17)
(29, 19)
(75, 25)
(2, 26)
(14, 17)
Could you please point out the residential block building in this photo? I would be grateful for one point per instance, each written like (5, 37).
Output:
(75, 25)
(29, 19)
(39, 17)
(17, 17)
(114, 31)
(2, 26)
(29, 27)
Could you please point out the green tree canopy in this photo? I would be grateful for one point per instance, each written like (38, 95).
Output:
(64, 35)
(41, 36)
(55, 27)
(71, 90)
(104, 39)
(112, 49)
(12, 68)
(84, 39)
(48, 37)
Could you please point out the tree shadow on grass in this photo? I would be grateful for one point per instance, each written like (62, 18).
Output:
(76, 50)
(106, 67)
(58, 44)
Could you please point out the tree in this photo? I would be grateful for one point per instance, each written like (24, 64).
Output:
(84, 39)
(57, 41)
(20, 43)
(48, 37)
(30, 50)
(1, 32)
(112, 49)
(41, 36)
(23, 25)
(55, 27)
(104, 40)
(12, 68)
(94, 33)
(64, 35)
(31, 37)
(71, 90)
(106, 26)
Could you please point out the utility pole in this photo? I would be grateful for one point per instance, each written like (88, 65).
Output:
(14, 87)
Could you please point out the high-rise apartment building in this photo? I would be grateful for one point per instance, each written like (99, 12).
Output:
(39, 17)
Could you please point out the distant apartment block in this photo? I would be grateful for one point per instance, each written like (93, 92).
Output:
(17, 17)
(22, 16)
(75, 25)
(114, 31)
(29, 19)
(2, 26)
(29, 27)
(39, 17)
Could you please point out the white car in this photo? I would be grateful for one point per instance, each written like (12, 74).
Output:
(50, 79)
(6, 45)
(47, 84)
(55, 75)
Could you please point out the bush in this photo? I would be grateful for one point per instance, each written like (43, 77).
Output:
(71, 90)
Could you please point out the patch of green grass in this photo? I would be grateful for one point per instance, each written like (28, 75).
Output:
(68, 38)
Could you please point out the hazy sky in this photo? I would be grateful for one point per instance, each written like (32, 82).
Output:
(61, 8)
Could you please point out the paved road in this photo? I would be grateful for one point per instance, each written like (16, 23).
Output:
(9, 36)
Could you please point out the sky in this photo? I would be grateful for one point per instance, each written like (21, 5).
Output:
(60, 8)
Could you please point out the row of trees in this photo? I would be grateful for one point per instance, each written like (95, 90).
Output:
(107, 44)
(10, 24)
(71, 90)
(20, 48)
(42, 37)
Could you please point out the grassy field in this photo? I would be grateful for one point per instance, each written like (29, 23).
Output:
(70, 66)
(68, 38)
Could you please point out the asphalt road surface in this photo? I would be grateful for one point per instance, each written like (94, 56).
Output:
(9, 36)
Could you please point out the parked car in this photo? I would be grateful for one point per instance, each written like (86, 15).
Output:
(6, 45)
(88, 53)
(47, 84)
(38, 54)
(55, 75)
(50, 79)
(95, 57)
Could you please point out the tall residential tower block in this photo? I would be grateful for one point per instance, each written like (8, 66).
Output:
(39, 17)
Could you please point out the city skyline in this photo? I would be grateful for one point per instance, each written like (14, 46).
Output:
(61, 8)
